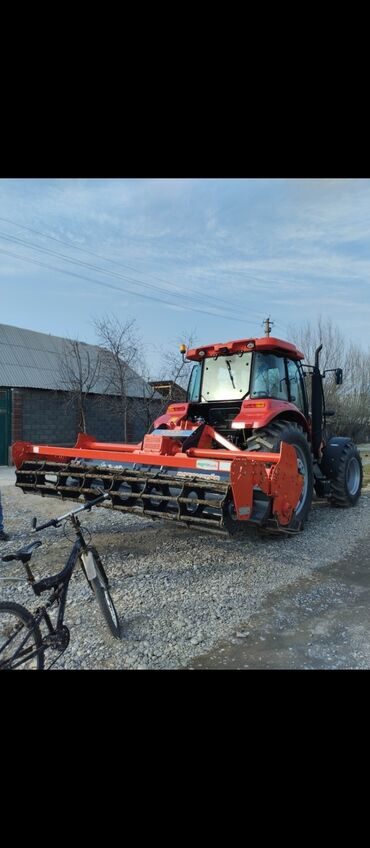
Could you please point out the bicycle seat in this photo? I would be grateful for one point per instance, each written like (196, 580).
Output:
(24, 554)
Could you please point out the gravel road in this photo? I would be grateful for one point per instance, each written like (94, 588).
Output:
(177, 593)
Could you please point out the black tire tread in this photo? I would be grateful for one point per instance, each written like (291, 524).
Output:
(29, 621)
(100, 587)
(267, 437)
(339, 495)
(99, 592)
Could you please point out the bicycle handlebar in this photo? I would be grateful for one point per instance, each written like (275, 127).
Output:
(52, 523)
(55, 522)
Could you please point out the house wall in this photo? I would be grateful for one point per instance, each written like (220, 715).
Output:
(5, 423)
(104, 419)
(17, 415)
(48, 417)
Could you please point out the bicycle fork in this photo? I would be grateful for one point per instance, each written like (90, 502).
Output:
(88, 564)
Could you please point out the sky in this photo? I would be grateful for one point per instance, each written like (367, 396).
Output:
(211, 258)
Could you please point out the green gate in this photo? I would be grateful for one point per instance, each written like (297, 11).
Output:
(5, 425)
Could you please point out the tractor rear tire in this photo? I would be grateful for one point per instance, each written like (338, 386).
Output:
(346, 486)
(269, 439)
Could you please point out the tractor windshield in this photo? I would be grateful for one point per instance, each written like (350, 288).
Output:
(221, 378)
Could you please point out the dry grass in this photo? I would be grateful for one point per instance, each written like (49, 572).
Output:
(365, 456)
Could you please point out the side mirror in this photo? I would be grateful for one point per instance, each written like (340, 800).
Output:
(338, 376)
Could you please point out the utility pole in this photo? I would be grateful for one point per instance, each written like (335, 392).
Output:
(267, 325)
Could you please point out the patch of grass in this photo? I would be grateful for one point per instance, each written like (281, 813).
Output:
(364, 451)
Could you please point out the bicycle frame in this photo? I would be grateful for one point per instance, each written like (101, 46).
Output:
(60, 592)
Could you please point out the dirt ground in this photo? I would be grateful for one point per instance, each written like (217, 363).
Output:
(320, 620)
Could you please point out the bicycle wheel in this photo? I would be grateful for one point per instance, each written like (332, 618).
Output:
(99, 585)
(20, 639)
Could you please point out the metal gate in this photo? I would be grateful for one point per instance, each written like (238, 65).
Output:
(5, 425)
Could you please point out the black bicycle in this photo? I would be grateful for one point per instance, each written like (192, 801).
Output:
(22, 644)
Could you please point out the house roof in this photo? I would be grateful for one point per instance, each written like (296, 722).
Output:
(33, 360)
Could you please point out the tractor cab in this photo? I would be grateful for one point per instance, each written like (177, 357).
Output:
(230, 381)
(247, 375)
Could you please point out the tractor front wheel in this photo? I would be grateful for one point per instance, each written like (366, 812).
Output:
(269, 439)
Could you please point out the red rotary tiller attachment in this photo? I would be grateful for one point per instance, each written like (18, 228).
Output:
(218, 490)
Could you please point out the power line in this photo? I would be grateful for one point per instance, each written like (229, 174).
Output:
(119, 288)
(82, 263)
(104, 258)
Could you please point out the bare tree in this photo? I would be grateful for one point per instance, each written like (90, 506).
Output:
(151, 403)
(350, 401)
(309, 336)
(79, 374)
(175, 368)
(353, 414)
(174, 372)
(120, 356)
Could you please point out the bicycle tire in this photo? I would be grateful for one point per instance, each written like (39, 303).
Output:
(13, 620)
(100, 587)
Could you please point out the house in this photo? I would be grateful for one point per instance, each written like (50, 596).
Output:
(169, 389)
(38, 395)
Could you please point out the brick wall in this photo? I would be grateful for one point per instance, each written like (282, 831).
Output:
(43, 417)
(104, 419)
(17, 416)
(47, 419)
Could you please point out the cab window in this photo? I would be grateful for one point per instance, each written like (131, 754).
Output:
(269, 377)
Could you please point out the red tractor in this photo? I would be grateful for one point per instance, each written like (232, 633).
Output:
(243, 449)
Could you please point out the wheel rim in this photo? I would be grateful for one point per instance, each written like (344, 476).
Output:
(353, 476)
(302, 467)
